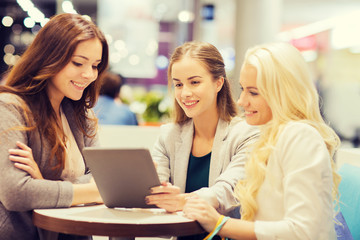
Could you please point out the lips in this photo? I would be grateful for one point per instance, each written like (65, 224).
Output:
(249, 113)
(79, 85)
(190, 104)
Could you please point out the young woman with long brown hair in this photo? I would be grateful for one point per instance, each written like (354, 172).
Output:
(46, 121)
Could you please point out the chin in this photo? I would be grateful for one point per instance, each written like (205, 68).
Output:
(75, 98)
(253, 123)
(188, 114)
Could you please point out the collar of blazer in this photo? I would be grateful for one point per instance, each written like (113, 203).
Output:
(183, 148)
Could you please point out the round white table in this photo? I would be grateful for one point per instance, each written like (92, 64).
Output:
(115, 222)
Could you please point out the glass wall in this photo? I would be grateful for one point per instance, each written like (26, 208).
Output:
(143, 33)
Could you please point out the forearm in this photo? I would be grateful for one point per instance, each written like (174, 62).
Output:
(208, 195)
(238, 229)
(85, 193)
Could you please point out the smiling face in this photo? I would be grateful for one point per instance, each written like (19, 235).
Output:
(78, 73)
(195, 89)
(257, 111)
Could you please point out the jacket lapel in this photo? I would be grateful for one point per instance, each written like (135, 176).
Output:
(216, 162)
(182, 153)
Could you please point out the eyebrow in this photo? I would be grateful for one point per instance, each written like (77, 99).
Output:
(99, 60)
(189, 78)
(247, 87)
(252, 88)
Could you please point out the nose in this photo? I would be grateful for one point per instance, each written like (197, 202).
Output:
(242, 101)
(186, 91)
(89, 73)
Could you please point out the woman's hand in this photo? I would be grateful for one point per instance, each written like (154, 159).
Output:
(23, 159)
(167, 196)
(86, 193)
(201, 211)
(93, 186)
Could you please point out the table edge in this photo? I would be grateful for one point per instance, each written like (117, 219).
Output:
(88, 228)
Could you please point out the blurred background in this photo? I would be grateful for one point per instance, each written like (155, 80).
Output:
(143, 33)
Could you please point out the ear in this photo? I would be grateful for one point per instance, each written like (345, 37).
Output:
(219, 84)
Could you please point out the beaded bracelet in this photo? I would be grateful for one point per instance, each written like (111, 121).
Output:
(221, 221)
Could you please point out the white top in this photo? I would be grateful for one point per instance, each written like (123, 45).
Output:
(295, 199)
(74, 162)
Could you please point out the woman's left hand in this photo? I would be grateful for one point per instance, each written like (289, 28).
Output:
(201, 211)
(23, 159)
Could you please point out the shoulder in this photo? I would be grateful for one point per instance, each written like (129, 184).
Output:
(104, 102)
(300, 137)
(238, 122)
(104, 98)
(238, 126)
(299, 130)
(124, 108)
(12, 103)
(175, 130)
(10, 98)
(14, 111)
(168, 129)
(300, 146)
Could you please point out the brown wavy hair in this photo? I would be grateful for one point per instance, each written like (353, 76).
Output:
(48, 54)
(208, 55)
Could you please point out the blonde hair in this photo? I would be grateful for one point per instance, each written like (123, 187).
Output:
(283, 80)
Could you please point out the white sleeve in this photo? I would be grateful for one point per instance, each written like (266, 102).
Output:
(307, 186)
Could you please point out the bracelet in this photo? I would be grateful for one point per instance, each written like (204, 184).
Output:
(211, 234)
(221, 221)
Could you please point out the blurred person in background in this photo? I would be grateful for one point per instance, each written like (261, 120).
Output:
(109, 108)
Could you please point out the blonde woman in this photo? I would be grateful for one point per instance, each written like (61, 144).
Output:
(290, 179)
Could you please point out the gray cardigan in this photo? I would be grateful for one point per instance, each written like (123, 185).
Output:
(19, 192)
(228, 157)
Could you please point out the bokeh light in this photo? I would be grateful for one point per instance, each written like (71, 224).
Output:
(7, 21)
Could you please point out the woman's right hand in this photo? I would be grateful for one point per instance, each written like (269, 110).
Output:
(23, 159)
(167, 196)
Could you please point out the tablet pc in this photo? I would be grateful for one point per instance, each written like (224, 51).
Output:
(123, 176)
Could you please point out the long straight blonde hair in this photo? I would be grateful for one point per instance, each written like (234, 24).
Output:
(283, 79)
